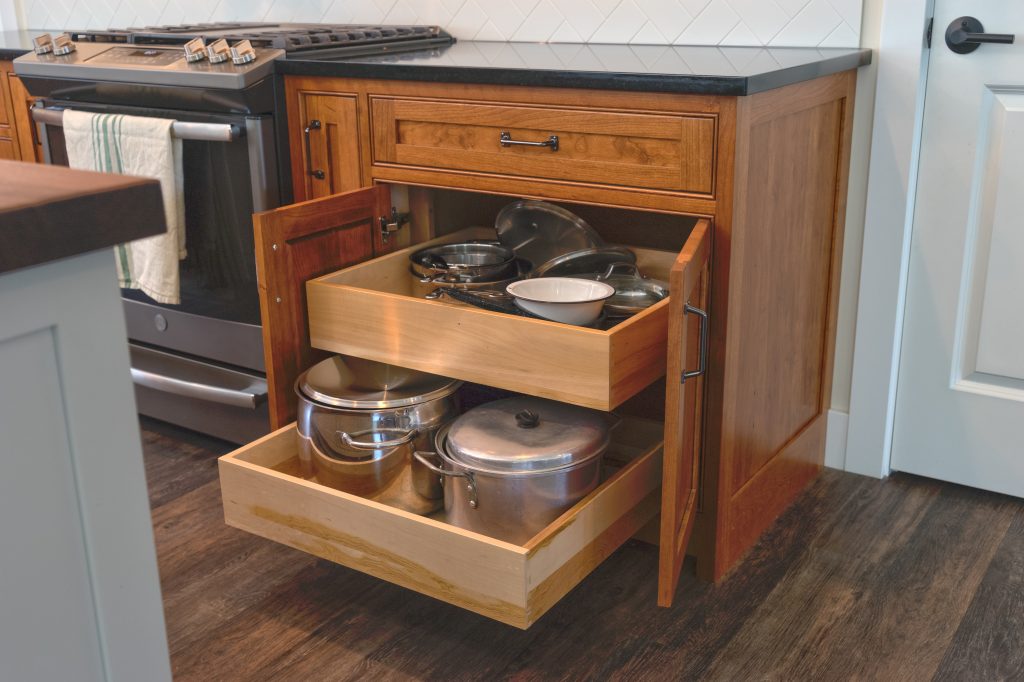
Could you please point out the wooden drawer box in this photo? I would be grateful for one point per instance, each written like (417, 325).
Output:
(673, 152)
(371, 311)
(263, 494)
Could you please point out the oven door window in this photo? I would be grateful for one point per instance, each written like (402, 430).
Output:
(218, 276)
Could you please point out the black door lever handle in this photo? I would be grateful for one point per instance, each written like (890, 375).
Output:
(966, 34)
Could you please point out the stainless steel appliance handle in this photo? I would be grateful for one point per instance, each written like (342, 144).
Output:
(703, 364)
(206, 132)
(191, 389)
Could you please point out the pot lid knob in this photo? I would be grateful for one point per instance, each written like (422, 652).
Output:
(527, 419)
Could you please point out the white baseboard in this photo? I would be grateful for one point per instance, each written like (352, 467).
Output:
(835, 439)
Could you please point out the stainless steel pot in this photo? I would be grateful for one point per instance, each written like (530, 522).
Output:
(467, 262)
(513, 466)
(360, 421)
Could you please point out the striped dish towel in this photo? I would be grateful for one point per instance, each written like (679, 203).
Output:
(133, 145)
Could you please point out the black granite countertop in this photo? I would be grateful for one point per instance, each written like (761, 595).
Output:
(648, 68)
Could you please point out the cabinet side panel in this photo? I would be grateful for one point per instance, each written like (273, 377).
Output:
(786, 246)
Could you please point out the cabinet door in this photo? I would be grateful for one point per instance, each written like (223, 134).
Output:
(325, 144)
(687, 362)
(297, 243)
(21, 105)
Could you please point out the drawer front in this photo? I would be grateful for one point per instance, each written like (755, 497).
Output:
(652, 151)
(264, 494)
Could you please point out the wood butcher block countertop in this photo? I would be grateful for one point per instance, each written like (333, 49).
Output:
(51, 212)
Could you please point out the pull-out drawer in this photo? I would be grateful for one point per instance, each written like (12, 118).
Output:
(671, 152)
(374, 310)
(264, 494)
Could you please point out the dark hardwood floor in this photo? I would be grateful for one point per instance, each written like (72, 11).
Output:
(902, 579)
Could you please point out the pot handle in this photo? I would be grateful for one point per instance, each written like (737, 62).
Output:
(470, 482)
(349, 441)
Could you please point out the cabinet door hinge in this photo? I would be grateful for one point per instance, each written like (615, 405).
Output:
(392, 223)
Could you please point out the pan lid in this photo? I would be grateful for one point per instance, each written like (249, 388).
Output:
(526, 435)
(538, 231)
(343, 381)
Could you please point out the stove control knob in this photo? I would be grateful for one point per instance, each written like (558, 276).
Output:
(43, 44)
(242, 53)
(195, 50)
(62, 45)
(218, 51)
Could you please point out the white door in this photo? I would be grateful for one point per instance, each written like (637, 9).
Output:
(960, 396)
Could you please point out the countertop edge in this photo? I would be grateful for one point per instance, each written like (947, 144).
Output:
(680, 84)
(37, 233)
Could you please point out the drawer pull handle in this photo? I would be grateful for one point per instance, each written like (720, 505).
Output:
(703, 366)
(318, 174)
(507, 141)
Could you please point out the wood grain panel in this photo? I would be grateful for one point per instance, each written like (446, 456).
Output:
(296, 243)
(21, 103)
(507, 582)
(683, 410)
(615, 148)
(335, 148)
(8, 150)
(785, 251)
(6, 110)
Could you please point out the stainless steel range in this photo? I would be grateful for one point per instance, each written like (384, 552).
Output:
(200, 364)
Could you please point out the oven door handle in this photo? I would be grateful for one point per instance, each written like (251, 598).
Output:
(184, 130)
(250, 399)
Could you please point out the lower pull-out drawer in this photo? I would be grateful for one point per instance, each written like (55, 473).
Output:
(264, 494)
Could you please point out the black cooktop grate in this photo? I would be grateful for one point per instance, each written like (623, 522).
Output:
(292, 38)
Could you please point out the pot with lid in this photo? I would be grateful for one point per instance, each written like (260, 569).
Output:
(359, 422)
(513, 466)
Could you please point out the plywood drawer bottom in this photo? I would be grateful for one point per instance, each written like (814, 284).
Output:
(515, 584)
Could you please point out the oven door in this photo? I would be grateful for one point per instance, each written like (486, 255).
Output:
(227, 176)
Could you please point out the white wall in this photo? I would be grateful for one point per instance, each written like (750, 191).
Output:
(710, 22)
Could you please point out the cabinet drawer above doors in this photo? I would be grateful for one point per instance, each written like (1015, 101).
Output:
(264, 494)
(669, 152)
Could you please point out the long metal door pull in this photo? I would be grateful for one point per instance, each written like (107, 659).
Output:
(703, 362)
(318, 174)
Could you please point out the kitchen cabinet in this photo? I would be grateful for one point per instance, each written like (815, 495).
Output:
(17, 132)
(737, 201)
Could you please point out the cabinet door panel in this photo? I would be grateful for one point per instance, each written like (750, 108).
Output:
(7, 150)
(21, 105)
(297, 243)
(683, 405)
(325, 157)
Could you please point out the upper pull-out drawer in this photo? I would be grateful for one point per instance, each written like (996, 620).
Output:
(376, 310)
(673, 152)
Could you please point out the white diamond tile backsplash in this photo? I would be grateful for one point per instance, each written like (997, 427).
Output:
(803, 23)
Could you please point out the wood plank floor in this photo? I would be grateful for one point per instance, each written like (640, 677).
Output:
(903, 579)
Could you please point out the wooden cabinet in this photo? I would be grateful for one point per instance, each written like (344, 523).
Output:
(17, 132)
(737, 201)
(325, 142)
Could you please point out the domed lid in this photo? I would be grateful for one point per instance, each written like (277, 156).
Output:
(343, 381)
(526, 435)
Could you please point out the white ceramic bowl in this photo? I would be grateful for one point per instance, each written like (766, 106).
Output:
(562, 299)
